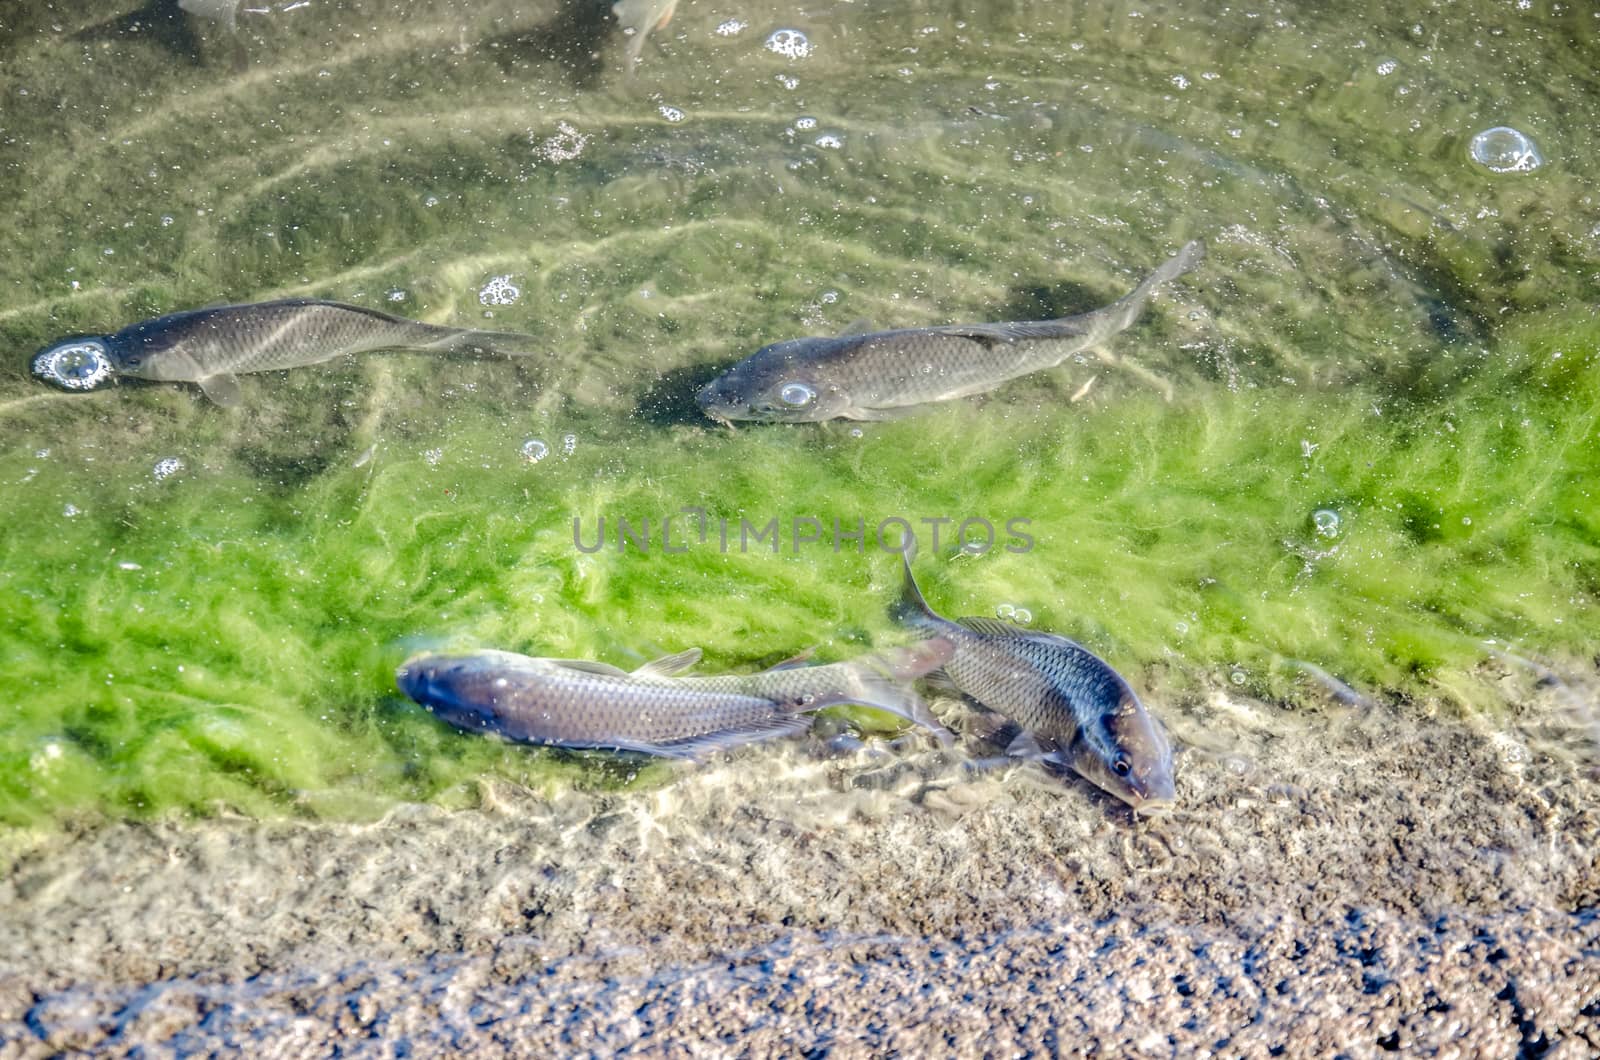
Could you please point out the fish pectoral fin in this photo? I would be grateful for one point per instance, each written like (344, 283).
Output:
(589, 666)
(668, 665)
(712, 742)
(222, 389)
(1025, 745)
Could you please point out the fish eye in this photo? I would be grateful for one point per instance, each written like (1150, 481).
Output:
(797, 395)
(1121, 767)
(73, 365)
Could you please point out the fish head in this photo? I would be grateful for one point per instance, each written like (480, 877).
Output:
(463, 690)
(776, 384)
(80, 363)
(1127, 755)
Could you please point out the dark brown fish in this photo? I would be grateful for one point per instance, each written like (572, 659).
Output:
(211, 347)
(1074, 709)
(886, 373)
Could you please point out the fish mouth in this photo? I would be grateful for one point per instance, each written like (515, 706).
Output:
(1152, 807)
(416, 678)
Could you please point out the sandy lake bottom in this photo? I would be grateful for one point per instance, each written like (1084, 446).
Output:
(1339, 880)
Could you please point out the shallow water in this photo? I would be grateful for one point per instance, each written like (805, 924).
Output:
(1349, 458)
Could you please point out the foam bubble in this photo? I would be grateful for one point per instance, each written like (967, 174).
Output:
(499, 291)
(789, 43)
(1505, 150)
(166, 468)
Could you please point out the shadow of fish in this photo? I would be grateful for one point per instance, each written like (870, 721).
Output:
(1073, 708)
(211, 347)
(887, 373)
(576, 703)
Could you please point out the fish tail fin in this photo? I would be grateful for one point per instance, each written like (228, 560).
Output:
(881, 681)
(473, 343)
(494, 343)
(1123, 312)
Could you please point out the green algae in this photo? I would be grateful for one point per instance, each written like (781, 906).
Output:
(225, 637)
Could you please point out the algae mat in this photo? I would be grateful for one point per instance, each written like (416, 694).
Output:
(1349, 460)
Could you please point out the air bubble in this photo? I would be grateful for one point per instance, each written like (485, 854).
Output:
(805, 124)
(569, 442)
(797, 394)
(534, 450)
(1238, 677)
(1326, 520)
(1505, 150)
(789, 43)
(1023, 616)
(1005, 611)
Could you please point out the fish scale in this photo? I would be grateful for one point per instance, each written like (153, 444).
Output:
(886, 373)
(582, 704)
(1034, 678)
(1073, 708)
(211, 346)
(273, 335)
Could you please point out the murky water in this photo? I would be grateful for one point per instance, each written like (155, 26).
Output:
(1347, 464)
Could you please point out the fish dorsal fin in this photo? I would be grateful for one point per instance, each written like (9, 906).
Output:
(222, 389)
(793, 662)
(589, 666)
(1001, 334)
(858, 326)
(994, 627)
(668, 665)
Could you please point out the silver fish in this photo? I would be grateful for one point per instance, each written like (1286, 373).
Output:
(1073, 708)
(576, 703)
(887, 373)
(212, 346)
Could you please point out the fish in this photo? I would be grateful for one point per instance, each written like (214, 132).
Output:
(211, 347)
(885, 374)
(654, 710)
(1073, 708)
(639, 17)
